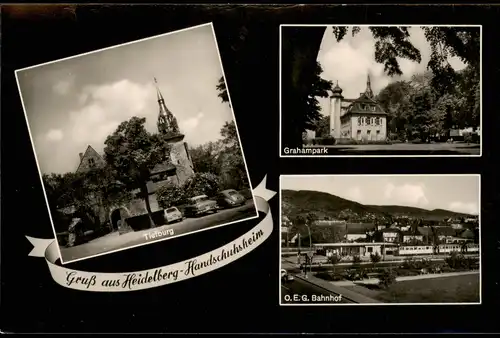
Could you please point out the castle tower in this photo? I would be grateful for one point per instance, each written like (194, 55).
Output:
(368, 91)
(168, 127)
(335, 107)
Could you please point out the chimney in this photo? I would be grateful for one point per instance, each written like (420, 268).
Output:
(81, 156)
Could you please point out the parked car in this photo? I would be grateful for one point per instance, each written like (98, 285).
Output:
(285, 277)
(230, 198)
(200, 205)
(172, 214)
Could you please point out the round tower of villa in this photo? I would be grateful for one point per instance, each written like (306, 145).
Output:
(335, 108)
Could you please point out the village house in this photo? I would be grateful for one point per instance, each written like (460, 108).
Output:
(355, 234)
(446, 234)
(390, 235)
(408, 237)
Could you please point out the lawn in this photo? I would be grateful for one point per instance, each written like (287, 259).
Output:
(456, 289)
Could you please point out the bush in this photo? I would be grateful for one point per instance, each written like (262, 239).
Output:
(375, 258)
(458, 261)
(387, 278)
(356, 259)
(332, 277)
(324, 141)
(170, 195)
(471, 137)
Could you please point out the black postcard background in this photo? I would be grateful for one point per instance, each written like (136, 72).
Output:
(243, 296)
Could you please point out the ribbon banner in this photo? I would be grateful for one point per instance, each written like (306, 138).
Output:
(145, 279)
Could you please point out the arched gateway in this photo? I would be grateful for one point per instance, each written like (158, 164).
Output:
(117, 217)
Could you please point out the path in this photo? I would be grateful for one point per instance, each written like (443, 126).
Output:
(405, 278)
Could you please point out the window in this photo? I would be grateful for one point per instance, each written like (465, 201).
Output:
(359, 121)
(377, 121)
(368, 132)
(91, 162)
(374, 108)
(359, 132)
(378, 132)
(363, 107)
(370, 249)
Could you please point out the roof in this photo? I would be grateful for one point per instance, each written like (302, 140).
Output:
(410, 233)
(162, 167)
(446, 231)
(426, 231)
(356, 231)
(467, 234)
(89, 152)
(356, 106)
(388, 230)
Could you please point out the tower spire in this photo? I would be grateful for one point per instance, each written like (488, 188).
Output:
(368, 92)
(167, 123)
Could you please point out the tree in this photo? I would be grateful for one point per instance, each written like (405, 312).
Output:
(375, 258)
(394, 99)
(204, 157)
(301, 86)
(230, 160)
(201, 184)
(392, 43)
(387, 278)
(132, 152)
(421, 119)
(322, 126)
(221, 88)
(334, 260)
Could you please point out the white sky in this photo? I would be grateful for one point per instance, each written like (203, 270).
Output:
(455, 193)
(353, 58)
(76, 102)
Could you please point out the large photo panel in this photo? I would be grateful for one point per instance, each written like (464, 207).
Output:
(380, 90)
(380, 240)
(136, 143)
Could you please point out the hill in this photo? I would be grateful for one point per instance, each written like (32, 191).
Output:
(322, 204)
(436, 214)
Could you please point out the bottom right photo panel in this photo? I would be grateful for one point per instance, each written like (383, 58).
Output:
(380, 239)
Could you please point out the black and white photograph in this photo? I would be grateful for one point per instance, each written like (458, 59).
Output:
(380, 239)
(136, 143)
(380, 90)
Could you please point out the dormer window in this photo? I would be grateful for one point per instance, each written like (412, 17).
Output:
(373, 108)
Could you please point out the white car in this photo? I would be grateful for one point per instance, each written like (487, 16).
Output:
(172, 214)
(285, 277)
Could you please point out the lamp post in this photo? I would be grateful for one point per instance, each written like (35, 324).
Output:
(310, 249)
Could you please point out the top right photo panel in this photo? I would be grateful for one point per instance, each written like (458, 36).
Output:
(380, 91)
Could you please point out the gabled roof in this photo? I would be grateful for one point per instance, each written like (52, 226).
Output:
(162, 167)
(426, 231)
(467, 234)
(390, 230)
(446, 231)
(356, 231)
(89, 152)
(356, 106)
